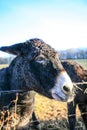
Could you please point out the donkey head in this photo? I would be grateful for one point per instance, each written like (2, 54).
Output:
(45, 67)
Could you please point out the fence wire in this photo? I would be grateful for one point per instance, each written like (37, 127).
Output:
(9, 120)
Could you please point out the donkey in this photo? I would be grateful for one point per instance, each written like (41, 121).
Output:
(36, 67)
(78, 74)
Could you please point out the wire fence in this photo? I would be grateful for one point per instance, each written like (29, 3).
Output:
(10, 119)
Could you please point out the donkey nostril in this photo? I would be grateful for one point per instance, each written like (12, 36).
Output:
(66, 89)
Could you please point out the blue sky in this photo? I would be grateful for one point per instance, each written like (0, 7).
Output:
(60, 23)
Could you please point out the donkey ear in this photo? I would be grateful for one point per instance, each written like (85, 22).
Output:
(13, 49)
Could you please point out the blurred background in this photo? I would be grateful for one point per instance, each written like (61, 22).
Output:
(60, 23)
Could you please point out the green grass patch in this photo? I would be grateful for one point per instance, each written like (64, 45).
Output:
(83, 62)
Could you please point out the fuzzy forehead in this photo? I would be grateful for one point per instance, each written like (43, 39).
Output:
(42, 47)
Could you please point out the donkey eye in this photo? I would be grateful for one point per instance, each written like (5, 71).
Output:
(41, 60)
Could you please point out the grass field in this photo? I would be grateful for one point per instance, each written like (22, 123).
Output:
(82, 62)
(53, 114)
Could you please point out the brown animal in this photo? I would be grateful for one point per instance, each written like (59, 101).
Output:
(36, 67)
(77, 74)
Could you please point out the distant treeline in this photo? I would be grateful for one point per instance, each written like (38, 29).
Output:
(64, 54)
(73, 54)
(6, 60)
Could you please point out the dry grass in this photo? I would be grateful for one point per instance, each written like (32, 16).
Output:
(3, 65)
(53, 114)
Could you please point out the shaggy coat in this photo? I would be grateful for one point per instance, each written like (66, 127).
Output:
(77, 74)
(36, 67)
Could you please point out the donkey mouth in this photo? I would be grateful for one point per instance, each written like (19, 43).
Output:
(58, 97)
